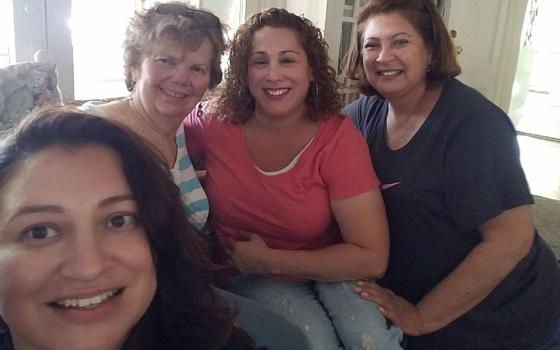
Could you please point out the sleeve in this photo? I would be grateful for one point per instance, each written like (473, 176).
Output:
(347, 168)
(196, 125)
(483, 175)
(354, 111)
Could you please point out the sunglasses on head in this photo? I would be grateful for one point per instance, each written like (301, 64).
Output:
(203, 18)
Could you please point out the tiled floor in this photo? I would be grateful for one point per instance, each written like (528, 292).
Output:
(541, 162)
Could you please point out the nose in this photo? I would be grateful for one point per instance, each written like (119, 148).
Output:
(274, 72)
(385, 54)
(181, 75)
(86, 258)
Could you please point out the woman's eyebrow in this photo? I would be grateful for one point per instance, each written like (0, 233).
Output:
(116, 199)
(32, 209)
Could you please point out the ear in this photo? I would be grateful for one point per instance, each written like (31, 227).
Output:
(135, 73)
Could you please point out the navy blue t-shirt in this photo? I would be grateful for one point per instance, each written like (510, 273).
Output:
(459, 170)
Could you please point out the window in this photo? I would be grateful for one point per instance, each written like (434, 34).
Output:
(97, 36)
(6, 34)
(84, 37)
(98, 59)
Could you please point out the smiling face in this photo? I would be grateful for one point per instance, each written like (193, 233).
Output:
(279, 73)
(395, 56)
(76, 271)
(172, 79)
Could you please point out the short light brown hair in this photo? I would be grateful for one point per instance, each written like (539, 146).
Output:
(186, 25)
(426, 19)
(323, 98)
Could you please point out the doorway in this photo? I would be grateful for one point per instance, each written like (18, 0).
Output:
(535, 102)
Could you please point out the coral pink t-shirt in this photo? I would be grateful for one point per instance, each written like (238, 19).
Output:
(290, 210)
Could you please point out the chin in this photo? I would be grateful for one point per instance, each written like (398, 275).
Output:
(92, 341)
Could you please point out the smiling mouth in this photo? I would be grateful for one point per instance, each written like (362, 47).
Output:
(389, 73)
(87, 303)
(174, 93)
(276, 92)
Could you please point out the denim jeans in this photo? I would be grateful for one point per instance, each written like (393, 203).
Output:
(332, 315)
(267, 329)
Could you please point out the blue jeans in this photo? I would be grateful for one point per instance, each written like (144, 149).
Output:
(267, 329)
(332, 315)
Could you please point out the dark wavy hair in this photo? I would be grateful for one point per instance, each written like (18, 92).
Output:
(185, 25)
(426, 19)
(185, 312)
(236, 101)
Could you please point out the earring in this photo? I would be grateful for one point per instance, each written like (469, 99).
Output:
(429, 68)
(199, 110)
(316, 90)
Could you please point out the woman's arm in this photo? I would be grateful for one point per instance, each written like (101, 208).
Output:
(363, 254)
(506, 240)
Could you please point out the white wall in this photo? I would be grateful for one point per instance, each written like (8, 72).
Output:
(315, 10)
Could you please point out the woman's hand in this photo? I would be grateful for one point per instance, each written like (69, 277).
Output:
(249, 255)
(402, 313)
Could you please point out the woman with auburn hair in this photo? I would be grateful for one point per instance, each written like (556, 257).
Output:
(467, 269)
(292, 202)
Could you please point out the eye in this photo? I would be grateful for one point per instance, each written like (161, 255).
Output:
(199, 69)
(164, 61)
(259, 62)
(122, 221)
(40, 232)
(371, 46)
(401, 42)
(287, 60)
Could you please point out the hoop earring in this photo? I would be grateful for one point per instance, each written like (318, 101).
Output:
(199, 111)
(314, 94)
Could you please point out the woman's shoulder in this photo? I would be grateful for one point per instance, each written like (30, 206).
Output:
(337, 130)
(364, 104)
(468, 105)
(104, 108)
(462, 97)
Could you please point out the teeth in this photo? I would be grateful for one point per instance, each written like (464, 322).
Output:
(389, 72)
(276, 92)
(174, 93)
(86, 302)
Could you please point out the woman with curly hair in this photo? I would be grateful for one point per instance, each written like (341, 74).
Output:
(291, 193)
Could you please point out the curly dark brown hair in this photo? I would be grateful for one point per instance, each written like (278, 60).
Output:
(426, 19)
(323, 99)
(186, 25)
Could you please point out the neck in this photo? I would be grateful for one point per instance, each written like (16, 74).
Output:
(161, 137)
(278, 124)
(144, 123)
(406, 105)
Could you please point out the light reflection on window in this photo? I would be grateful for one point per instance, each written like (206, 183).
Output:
(98, 29)
(6, 33)
(97, 44)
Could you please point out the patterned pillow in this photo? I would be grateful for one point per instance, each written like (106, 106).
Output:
(24, 87)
